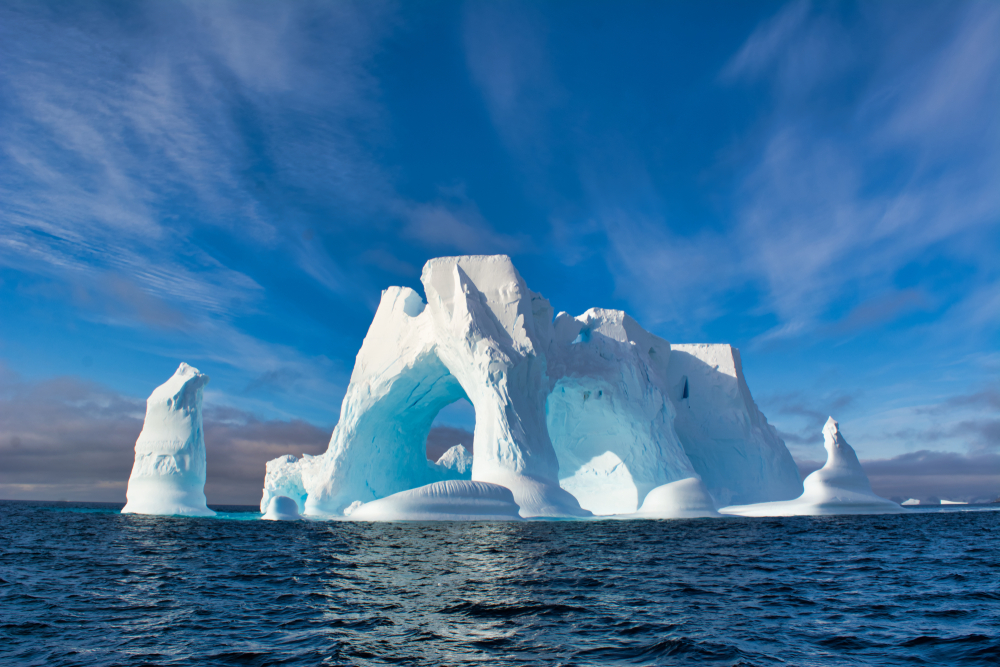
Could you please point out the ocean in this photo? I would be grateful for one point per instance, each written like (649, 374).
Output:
(81, 584)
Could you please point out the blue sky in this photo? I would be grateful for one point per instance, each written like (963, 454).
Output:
(233, 184)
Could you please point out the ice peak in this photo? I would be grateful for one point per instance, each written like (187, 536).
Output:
(839, 454)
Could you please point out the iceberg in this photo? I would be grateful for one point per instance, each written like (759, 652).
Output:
(839, 487)
(168, 476)
(575, 416)
(458, 459)
(953, 502)
(910, 502)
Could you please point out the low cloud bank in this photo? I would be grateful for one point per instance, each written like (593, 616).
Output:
(930, 475)
(69, 439)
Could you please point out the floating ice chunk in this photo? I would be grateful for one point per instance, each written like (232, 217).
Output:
(910, 502)
(953, 502)
(168, 476)
(457, 459)
(839, 487)
(282, 508)
(684, 499)
(453, 500)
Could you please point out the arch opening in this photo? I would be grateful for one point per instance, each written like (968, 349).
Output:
(393, 432)
(453, 426)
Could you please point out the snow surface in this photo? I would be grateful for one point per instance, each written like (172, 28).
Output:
(574, 415)
(685, 499)
(839, 487)
(168, 476)
(455, 500)
(282, 508)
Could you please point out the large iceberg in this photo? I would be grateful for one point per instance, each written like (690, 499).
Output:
(168, 476)
(839, 487)
(576, 416)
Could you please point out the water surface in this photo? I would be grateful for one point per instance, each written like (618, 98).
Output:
(83, 585)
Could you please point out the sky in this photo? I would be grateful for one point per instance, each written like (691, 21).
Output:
(232, 184)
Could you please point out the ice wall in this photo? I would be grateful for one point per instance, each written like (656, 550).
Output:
(738, 455)
(168, 476)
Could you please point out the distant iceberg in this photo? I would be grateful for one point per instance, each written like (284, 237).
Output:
(910, 502)
(168, 476)
(839, 487)
(575, 416)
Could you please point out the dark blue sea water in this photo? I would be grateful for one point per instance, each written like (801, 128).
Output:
(84, 585)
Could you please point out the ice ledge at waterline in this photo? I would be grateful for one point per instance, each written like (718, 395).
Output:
(168, 476)
(575, 416)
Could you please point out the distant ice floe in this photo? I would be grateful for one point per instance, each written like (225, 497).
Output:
(839, 487)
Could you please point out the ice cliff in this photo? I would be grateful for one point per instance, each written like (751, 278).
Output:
(839, 487)
(168, 476)
(574, 415)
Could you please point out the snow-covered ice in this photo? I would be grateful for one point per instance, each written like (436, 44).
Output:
(282, 508)
(574, 415)
(839, 487)
(168, 476)
(454, 500)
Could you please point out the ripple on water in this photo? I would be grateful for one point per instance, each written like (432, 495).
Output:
(84, 585)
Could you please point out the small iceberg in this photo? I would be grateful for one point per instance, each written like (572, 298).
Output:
(839, 487)
(168, 476)
(910, 502)
(953, 502)
(452, 500)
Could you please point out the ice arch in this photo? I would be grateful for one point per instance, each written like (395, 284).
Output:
(481, 335)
